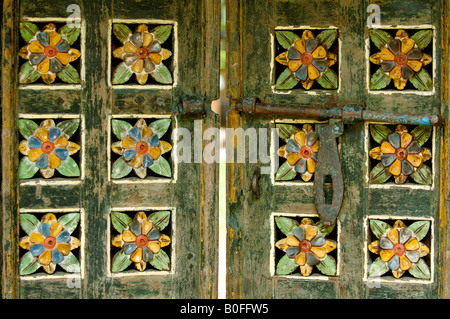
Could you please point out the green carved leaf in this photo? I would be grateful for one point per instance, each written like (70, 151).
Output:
(286, 225)
(422, 133)
(285, 266)
(27, 168)
(422, 81)
(121, 74)
(327, 266)
(380, 38)
(160, 219)
(328, 79)
(71, 264)
(27, 128)
(28, 74)
(420, 228)
(286, 38)
(161, 167)
(69, 127)
(422, 38)
(379, 174)
(420, 270)
(160, 261)
(287, 80)
(28, 223)
(120, 262)
(285, 172)
(378, 268)
(28, 264)
(285, 131)
(379, 228)
(70, 33)
(379, 80)
(70, 221)
(327, 37)
(121, 31)
(69, 168)
(160, 127)
(120, 128)
(324, 230)
(120, 221)
(162, 32)
(120, 168)
(28, 30)
(379, 132)
(69, 75)
(423, 175)
(161, 74)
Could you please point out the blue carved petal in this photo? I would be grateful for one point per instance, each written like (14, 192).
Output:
(53, 133)
(154, 140)
(135, 227)
(318, 241)
(35, 58)
(153, 234)
(293, 54)
(413, 148)
(385, 243)
(43, 38)
(394, 139)
(387, 66)
(136, 39)
(57, 257)
(394, 263)
(155, 46)
(63, 46)
(291, 252)
(147, 254)
(42, 161)
(387, 159)
(301, 166)
(44, 229)
(129, 154)
(62, 153)
(394, 46)
(37, 249)
(55, 66)
(311, 138)
(312, 259)
(147, 160)
(404, 235)
(63, 237)
(135, 134)
(311, 44)
(407, 72)
(302, 73)
(292, 147)
(128, 248)
(34, 142)
(321, 65)
(407, 168)
(415, 54)
(299, 232)
(413, 256)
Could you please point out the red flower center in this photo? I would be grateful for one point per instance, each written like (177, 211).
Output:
(401, 153)
(305, 245)
(399, 249)
(47, 147)
(49, 242)
(141, 240)
(142, 53)
(401, 59)
(50, 51)
(306, 152)
(306, 58)
(142, 148)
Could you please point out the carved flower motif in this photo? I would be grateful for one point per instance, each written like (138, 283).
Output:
(400, 249)
(306, 245)
(401, 152)
(49, 53)
(301, 151)
(48, 148)
(141, 240)
(142, 55)
(49, 242)
(141, 147)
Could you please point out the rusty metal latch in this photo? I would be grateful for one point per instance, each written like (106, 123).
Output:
(192, 106)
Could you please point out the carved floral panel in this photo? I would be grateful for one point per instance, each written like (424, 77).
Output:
(403, 250)
(306, 60)
(401, 59)
(140, 241)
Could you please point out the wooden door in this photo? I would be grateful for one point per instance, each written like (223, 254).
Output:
(289, 59)
(94, 201)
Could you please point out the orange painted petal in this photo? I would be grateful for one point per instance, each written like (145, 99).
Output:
(281, 58)
(36, 238)
(415, 65)
(375, 247)
(405, 264)
(138, 66)
(55, 37)
(399, 224)
(407, 45)
(164, 146)
(23, 52)
(426, 59)
(49, 78)
(398, 273)
(42, 134)
(292, 158)
(146, 226)
(393, 235)
(34, 154)
(415, 160)
(63, 248)
(386, 255)
(282, 151)
(44, 66)
(25, 243)
(307, 34)
(412, 244)
(319, 52)
(423, 250)
(155, 57)
(136, 256)
(53, 161)
(310, 233)
(117, 241)
(128, 142)
(294, 65)
(128, 236)
(387, 148)
(136, 162)
(154, 246)
(74, 54)
(281, 244)
(400, 83)
(142, 28)
(292, 241)
(164, 240)
(306, 270)
(74, 243)
(331, 59)
(406, 139)
(320, 252)
(401, 34)
(48, 124)
(311, 165)
(73, 148)
(128, 47)
(49, 218)
(36, 47)
(375, 58)
(155, 152)
(300, 259)
(23, 147)
(307, 128)
(142, 78)
(147, 38)
(300, 138)
(165, 54)
(329, 246)
(306, 221)
(375, 153)
(386, 55)
(140, 217)
(146, 132)
(55, 229)
(45, 258)
(396, 168)
(119, 53)
(61, 141)
(313, 73)
(396, 73)
(315, 147)
(300, 45)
